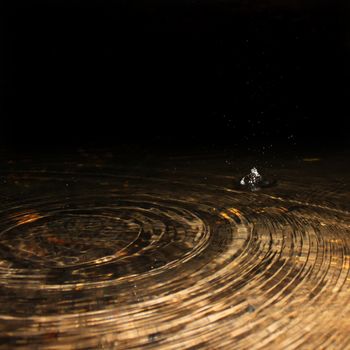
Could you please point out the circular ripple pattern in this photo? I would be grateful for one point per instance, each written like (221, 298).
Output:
(115, 261)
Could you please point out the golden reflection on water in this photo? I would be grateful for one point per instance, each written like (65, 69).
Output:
(24, 218)
(117, 259)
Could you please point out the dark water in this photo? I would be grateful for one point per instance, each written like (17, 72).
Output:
(102, 252)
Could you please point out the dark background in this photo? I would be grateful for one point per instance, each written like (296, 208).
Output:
(174, 74)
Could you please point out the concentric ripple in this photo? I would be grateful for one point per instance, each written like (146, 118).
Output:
(112, 260)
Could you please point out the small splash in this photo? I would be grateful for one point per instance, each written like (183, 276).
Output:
(254, 181)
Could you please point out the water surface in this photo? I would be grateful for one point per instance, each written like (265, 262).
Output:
(99, 251)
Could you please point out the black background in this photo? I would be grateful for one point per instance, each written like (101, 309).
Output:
(174, 74)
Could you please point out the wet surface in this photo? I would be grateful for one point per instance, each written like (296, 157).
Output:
(100, 252)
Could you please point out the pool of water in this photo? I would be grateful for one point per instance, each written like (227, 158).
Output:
(103, 251)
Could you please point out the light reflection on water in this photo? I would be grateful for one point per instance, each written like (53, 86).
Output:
(173, 257)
